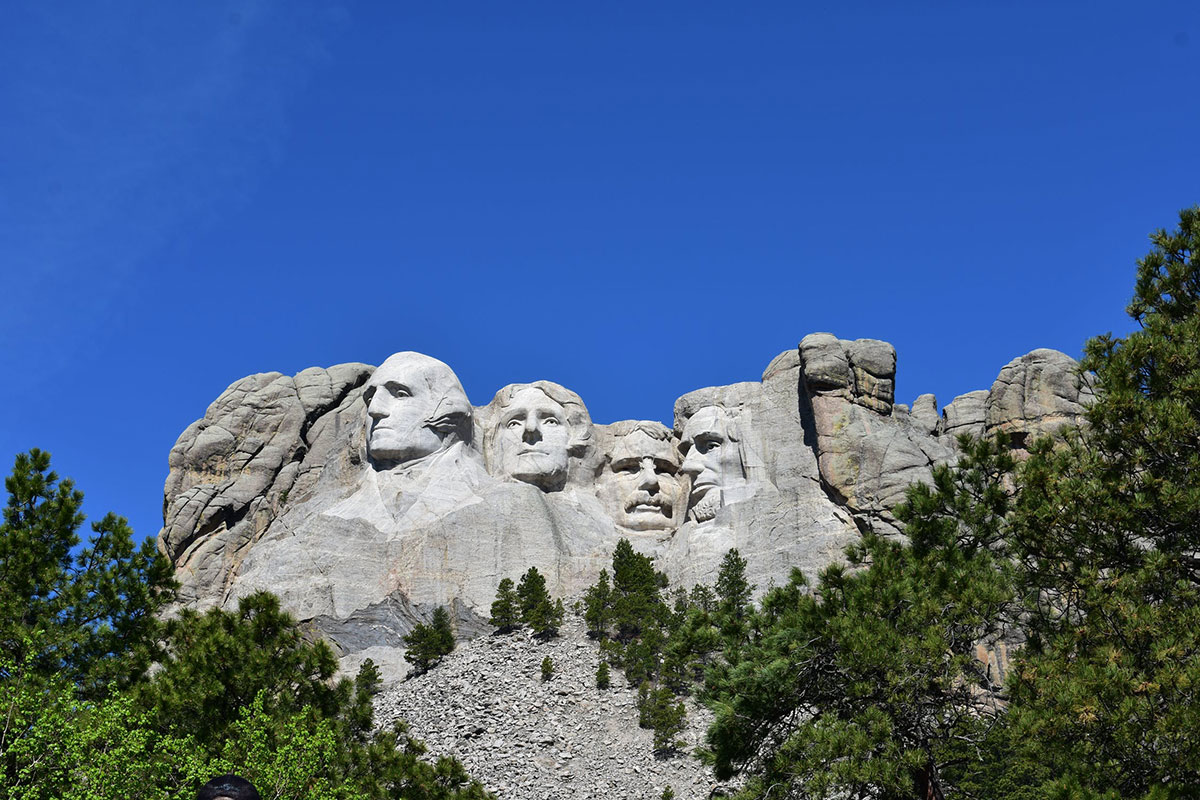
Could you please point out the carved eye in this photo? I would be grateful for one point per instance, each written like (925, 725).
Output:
(626, 467)
(551, 421)
(706, 444)
(513, 423)
(398, 390)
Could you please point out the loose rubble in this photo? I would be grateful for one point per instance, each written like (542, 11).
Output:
(526, 739)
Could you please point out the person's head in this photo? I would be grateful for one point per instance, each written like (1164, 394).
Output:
(712, 456)
(416, 407)
(536, 428)
(228, 787)
(640, 482)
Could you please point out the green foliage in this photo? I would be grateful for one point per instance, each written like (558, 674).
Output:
(1105, 693)
(633, 609)
(506, 611)
(869, 685)
(539, 611)
(55, 744)
(242, 691)
(547, 669)
(667, 719)
(636, 597)
(59, 745)
(603, 679)
(598, 607)
(865, 686)
(428, 644)
(668, 794)
(733, 591)
(660, 711)
(91, 611)
(531, 592)
(220, 661)
(643, 704)
(732, 596)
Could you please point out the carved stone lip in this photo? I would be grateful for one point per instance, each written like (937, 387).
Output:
(652, 506)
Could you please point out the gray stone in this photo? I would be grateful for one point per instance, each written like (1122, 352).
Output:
(232, 470)
(873, 364)
(867, 454)
(964, 414)
(364, 498)
(924, 414)
(1036, 395)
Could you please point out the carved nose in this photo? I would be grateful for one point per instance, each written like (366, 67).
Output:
(532, 431)
(647, 477)
(691, 465)
(375, 409)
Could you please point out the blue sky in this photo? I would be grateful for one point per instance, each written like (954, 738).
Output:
(634, 200)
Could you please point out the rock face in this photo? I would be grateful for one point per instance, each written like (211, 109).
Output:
(365, 497)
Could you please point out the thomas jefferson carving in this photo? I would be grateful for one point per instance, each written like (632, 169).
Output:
(535, 432)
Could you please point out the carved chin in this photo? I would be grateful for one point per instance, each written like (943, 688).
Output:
(707, 506)
(550, 479)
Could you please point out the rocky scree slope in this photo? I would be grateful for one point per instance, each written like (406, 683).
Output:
(526, 739)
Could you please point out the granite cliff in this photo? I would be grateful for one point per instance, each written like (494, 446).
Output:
(364, 497)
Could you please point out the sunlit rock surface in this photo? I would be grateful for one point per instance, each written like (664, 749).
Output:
(364, 497)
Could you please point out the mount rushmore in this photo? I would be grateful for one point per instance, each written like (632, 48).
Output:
(365, 497)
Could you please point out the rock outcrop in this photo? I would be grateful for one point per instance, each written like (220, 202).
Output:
(365, 497)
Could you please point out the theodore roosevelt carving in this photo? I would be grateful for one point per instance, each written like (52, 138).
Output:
(640, 483)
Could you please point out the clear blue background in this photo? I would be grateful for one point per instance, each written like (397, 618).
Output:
(632, 199)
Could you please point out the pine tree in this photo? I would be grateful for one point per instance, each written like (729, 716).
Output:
(733, 591)
(733, 594)
(506, 611)
(668, 719)
(547, 669)
(603, 680)
(531, 593)
(645, 711)
(84, 720)
(875, 669)
(539, 611)
(443, 630)
(637, 599)
(426, 645)
(555, 619)
(1106, 694)
(90, 613)
(598, 607)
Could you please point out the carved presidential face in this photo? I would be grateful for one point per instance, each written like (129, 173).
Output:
(641, 484)
(413, 403)
(532, 439)
(711, 455)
